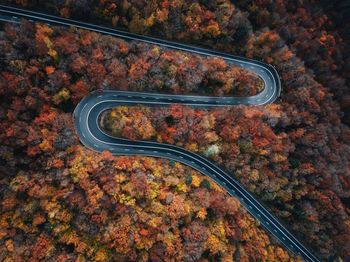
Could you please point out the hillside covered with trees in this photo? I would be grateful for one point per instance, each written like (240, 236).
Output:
(293, 155)
(61, 201)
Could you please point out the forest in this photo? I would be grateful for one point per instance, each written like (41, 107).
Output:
(61, 201)
(293, 155)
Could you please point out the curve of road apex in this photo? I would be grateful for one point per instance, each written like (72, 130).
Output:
(89, 110)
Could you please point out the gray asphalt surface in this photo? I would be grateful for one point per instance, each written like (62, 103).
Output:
(89, 110)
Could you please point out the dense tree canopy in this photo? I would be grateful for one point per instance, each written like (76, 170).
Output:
(304, 26)
(294, 155)
(82, 205)
(62, 202)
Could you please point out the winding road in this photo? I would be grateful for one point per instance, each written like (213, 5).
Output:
(88, 111)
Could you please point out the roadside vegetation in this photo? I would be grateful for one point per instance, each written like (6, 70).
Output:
(294, 155)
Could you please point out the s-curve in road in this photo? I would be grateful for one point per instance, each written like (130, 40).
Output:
(87, 118)
(88, 112)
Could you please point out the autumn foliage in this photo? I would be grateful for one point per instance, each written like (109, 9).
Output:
(99, 207)
(294, 155)
(62, 202)
(317, 30)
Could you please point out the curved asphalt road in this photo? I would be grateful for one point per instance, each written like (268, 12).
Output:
(88, 111)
